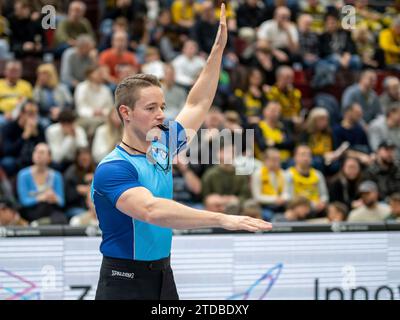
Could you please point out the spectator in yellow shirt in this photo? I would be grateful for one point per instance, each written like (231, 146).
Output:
(272, 132)
(389, 41)
(13, 90)
(367, 16)
(184, 13)
(250, 100)
(267, 184)
(305, 181)
(318, 136)
(286, 94)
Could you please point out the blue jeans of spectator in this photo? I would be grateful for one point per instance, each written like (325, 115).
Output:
(334, 60)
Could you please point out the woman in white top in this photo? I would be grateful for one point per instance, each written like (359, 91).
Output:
(107, 136)
(93, 100)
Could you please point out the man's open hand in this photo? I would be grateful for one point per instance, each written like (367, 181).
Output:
(222, 35)
(230, 222)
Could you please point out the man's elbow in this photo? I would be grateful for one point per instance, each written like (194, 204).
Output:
(152, 213)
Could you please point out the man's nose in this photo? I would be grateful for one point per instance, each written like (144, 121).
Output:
(161, 114)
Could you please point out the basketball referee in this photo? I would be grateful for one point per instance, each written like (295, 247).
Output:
(132, 186)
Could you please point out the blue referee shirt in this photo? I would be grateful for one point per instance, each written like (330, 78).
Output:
(122, 236)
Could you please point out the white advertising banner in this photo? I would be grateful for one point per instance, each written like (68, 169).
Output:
(351, 265)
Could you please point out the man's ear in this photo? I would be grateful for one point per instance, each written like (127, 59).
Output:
(124, 111)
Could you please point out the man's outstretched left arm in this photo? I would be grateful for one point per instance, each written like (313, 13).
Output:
(203, 91)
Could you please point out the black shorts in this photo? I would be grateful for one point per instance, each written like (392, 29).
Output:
(122, 279)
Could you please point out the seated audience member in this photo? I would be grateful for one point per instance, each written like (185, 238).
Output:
(184, 14)
(19, 138)
(85, 218)
(50, 95)
(221, 179)
(9, 215)
(166, 35)
(202, 148)
(365, 43)
(108, 28)
(385, 170)
(336, 45)
(117, 56)
(308, 41)
(70, 28)
(284, 92)
(337, 51)
(344, 186)
(389, 42)
(367, 16)
(262, 57)
(281, 33)
(250, 100)
(371, 210)
(249, 14)
(298, 209)
(205, 28)
(77, 180)
(76, 60)
(13, 90)
(271, 132)
(153, 64)
(364, 94)
(64, 139)
(303, 180)
(350, 130)
(336, 212)
(267, 184)
(394, 202)
(188, 65)
(175, 96)
(40, 189)
(93, 100)
(251, 208)
(27, 37)
(386, 128)
(187, 185)
(216, 202)
(318, 136)
(107, 136)
(390, 96)
(317, 11)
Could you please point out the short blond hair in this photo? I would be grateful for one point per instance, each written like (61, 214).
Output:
(127, 90)
(52, 71)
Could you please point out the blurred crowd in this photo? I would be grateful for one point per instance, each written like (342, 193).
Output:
(320, 90)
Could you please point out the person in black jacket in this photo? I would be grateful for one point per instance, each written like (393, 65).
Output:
(205, 29)
(77, 180)
(19, 138)
(385, 171)
(344, 186)
(337, 51)
(249, 14)
(27, 37)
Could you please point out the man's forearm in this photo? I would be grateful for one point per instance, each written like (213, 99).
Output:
(171, 214)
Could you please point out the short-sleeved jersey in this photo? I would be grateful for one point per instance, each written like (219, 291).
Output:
(123, 236)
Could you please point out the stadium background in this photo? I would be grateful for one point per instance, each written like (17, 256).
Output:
(280, 90)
